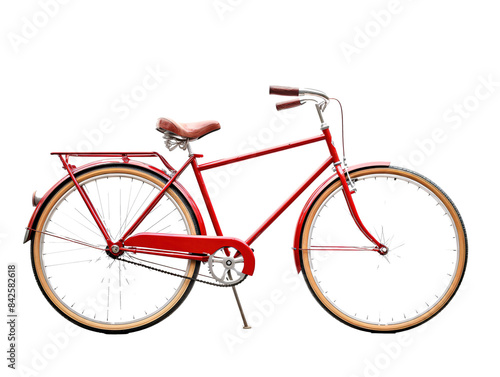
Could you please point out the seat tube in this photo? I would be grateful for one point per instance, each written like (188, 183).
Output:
(206, 196)
(215, 223)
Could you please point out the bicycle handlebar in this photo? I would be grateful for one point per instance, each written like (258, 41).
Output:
(283, 91)
(289, 104)
(290, 91)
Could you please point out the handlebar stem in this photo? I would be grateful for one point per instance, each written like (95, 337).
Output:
(320, 114)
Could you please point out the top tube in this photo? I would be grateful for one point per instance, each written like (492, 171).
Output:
(225, 161)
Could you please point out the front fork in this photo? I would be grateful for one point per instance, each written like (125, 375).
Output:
(379, 247)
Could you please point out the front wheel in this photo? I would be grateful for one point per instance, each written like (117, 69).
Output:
(410, 284)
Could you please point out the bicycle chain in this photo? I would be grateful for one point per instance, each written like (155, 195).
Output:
(182, 276)
(164, 271)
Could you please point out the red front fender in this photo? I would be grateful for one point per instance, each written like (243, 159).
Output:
(48, 194)
(312, 199)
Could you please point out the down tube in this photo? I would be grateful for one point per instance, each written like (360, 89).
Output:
(289, 201)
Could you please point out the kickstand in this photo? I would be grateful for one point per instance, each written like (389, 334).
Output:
(245, 324)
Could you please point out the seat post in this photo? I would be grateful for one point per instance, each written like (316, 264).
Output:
(188, 147)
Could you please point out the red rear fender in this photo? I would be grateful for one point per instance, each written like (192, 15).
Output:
(36, 213)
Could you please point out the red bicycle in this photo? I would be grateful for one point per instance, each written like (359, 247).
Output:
(116, 245)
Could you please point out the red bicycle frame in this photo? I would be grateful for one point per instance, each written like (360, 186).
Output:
(199, 247)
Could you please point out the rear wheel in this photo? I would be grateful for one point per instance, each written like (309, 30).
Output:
(78, 275)
(414, 280)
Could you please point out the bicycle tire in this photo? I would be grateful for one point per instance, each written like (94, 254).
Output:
(116, 172)
(352, 317)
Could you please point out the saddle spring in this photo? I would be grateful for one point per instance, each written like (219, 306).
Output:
(173, 141)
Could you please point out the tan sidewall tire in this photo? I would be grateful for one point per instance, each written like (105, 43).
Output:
(72, 315)
(401, 326)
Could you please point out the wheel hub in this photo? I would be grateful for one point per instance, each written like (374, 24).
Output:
(114, 252)
(383, 250)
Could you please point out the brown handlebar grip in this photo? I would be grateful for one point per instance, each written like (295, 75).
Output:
(288, 104)
(283, 90)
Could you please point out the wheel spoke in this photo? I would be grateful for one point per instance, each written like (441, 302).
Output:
(408, 284)
(341, 248)
(97, 289)
(62, 264)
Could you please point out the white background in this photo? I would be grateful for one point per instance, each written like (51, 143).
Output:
(398, 86)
